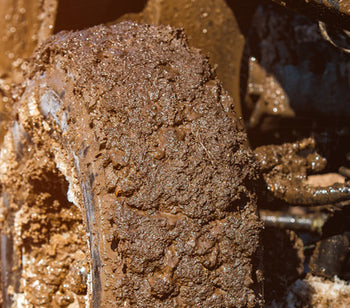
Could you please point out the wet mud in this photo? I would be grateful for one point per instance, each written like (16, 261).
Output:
(159, 169)
(286, 168)
(44, 242)
(126, 176)
(209, 25)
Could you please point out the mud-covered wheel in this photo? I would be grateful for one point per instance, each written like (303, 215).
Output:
(125, 180)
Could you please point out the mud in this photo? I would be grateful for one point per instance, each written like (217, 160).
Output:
(125, 176)
(167, 184)
(209, 25)
(43, 240)
(286, 168)
(272, 99)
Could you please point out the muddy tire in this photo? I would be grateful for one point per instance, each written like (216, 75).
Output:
(139, 143)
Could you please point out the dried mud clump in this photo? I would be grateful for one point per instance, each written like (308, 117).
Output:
(167, 178)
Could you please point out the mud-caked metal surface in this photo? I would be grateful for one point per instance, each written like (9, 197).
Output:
(148, 141)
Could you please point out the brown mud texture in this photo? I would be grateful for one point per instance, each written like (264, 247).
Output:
(138, 120)
(210, 26)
